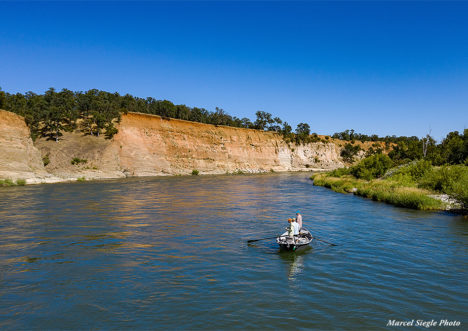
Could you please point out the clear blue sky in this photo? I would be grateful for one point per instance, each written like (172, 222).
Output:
(377, 67)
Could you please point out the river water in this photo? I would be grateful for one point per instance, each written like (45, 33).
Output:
(172, 252)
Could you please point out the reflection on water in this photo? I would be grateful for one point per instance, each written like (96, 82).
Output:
(295, 261)
(172, 252)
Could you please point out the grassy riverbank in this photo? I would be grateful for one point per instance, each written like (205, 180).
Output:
(417, 185)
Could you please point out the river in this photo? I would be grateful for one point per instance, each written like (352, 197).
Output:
(171, 252)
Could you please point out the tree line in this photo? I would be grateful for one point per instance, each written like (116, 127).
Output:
(96, 112)
(453, 149)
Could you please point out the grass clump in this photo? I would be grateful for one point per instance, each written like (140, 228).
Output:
(20, 182)
(195, 172)
(9, 182)
(6, 182)
(81, 179)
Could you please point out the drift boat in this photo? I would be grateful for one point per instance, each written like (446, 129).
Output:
(292, 244)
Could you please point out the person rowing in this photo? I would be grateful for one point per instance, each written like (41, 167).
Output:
(299, 219)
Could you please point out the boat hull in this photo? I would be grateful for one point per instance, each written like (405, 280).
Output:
(287, 243)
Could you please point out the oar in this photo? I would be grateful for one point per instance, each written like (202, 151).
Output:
(253, 240)
(326, 241)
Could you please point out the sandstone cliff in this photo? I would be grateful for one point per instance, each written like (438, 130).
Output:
(19, 158)
(148, 145)
(151, 145)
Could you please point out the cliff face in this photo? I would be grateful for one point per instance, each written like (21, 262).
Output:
(19, 158)
(149, 145)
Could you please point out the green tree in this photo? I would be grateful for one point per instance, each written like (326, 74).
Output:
(349, 152)
(263, 120)
(2, 99)
(454, 148)
(303, 129)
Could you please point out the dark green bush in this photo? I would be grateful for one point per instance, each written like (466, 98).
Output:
(349, 152)
(374, 166)
(77, 161)
(46, 160)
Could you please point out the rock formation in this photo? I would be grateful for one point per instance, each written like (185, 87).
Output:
(148, 145)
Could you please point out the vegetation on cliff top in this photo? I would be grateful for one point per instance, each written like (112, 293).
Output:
(411, 185)
(95, 112)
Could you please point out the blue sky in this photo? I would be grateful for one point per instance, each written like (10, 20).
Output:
(376, 67)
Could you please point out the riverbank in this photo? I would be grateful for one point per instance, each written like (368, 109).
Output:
(418, 186)
(383, 191)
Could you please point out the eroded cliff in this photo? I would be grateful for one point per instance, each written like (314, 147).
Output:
(19, 158)
(149, 145)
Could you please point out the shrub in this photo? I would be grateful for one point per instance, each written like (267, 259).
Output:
(45, 160)
(452, 180)
(195, 172)
(416, 170)
(81, 179)
(77, 161)
(372, 167)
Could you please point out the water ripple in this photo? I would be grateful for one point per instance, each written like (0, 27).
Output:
(172, 252)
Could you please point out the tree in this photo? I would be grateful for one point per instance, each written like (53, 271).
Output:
(199, 115)
(2, 99)
(276, 125)
(287, 129)
(182, 112)
(303, 129)
(454, 147)
(263, 120)
(246, 123)
(349, 152)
